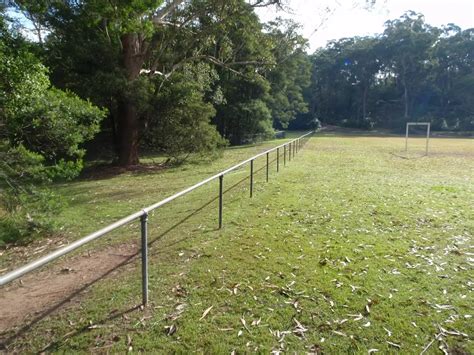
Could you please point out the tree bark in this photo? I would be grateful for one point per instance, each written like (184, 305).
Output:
(405, 96)
(128, 134)
(364, 102)
(405, 89)
(128, 124)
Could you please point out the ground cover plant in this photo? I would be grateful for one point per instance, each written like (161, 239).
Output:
(353, 247)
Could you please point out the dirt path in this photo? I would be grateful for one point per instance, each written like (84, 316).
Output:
(39, 294)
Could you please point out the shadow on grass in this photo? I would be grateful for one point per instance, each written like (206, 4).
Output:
(407, 157)
(10, 338)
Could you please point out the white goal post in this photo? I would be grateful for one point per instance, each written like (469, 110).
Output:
(428, 126)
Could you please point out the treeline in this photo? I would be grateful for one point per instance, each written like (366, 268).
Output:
(412, 71)
(177, 76)
(116, 78)
(123, 77)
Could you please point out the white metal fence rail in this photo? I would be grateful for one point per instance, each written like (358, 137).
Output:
(290, 148)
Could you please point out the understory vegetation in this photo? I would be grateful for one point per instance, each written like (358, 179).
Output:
(352, 247)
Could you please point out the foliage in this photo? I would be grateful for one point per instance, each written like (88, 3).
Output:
(291, 74)
(42, 130)
(111, 52)
(412, 71)
(180, 117)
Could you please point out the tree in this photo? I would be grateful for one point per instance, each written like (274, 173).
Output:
(117, 41)
(242, 114)
(180, 116)
(290, 75)
(364, 63)
(407, 42)
(453, 76)
(412, 71)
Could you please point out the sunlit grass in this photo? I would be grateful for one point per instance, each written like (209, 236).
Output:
(350, 248)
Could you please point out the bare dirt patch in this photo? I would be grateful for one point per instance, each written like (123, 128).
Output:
(37, 295)
(98, 172)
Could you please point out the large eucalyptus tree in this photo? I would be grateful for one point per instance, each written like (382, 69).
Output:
(120, 52)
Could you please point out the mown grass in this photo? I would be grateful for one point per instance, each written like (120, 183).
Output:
(351, 248)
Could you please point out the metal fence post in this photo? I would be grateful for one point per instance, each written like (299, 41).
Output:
(278, 160)
(267, 167)
(221, 183)
(284, 155)
(251, 178)
(144, 234)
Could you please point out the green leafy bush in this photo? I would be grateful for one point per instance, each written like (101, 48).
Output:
(181, 117)
(41, 132)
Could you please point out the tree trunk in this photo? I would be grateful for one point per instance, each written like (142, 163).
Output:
(364, 102)
(405, 96)
(405, 90)
(128, 134)
(128, 125)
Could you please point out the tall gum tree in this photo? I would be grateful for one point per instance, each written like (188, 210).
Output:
(136, 39)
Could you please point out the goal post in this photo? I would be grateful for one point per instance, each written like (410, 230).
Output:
(428, 127)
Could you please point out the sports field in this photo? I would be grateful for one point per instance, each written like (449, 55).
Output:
(353, 247)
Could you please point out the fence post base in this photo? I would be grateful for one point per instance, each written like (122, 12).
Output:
(144, 235)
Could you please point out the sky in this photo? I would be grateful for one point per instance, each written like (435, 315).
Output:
(324, 20)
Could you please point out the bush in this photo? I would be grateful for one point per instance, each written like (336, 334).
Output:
(181, 117)
(42, 129)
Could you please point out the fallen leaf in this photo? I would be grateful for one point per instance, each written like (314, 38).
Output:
(393, 344)
(389, 333)
(339, 333)
(205, 313)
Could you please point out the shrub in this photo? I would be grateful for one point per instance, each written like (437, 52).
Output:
(42, 129)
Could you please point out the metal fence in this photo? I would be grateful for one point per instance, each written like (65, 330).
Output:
(289, 150)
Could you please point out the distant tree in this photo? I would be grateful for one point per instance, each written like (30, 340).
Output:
(453, 75)
(407, 43)
(290, 75)
(412, 71)
(242, 114)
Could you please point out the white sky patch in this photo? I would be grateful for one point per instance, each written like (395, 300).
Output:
(324, 20)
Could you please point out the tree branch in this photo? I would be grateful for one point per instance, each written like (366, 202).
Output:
(164, 12)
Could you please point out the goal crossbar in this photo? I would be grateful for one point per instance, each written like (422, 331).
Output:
(428, 127)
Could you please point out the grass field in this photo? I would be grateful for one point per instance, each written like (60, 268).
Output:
(350, 248)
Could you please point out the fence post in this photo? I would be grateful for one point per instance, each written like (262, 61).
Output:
(221, 183)
(289, 151)
(144, 235)
(267, 166)
(278, 160)
(251, 178)
(294, 149)
(284, 155)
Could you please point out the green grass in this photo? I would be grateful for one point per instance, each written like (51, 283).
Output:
(349, 247)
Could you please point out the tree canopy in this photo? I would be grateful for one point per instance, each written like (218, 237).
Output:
(412, 71)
